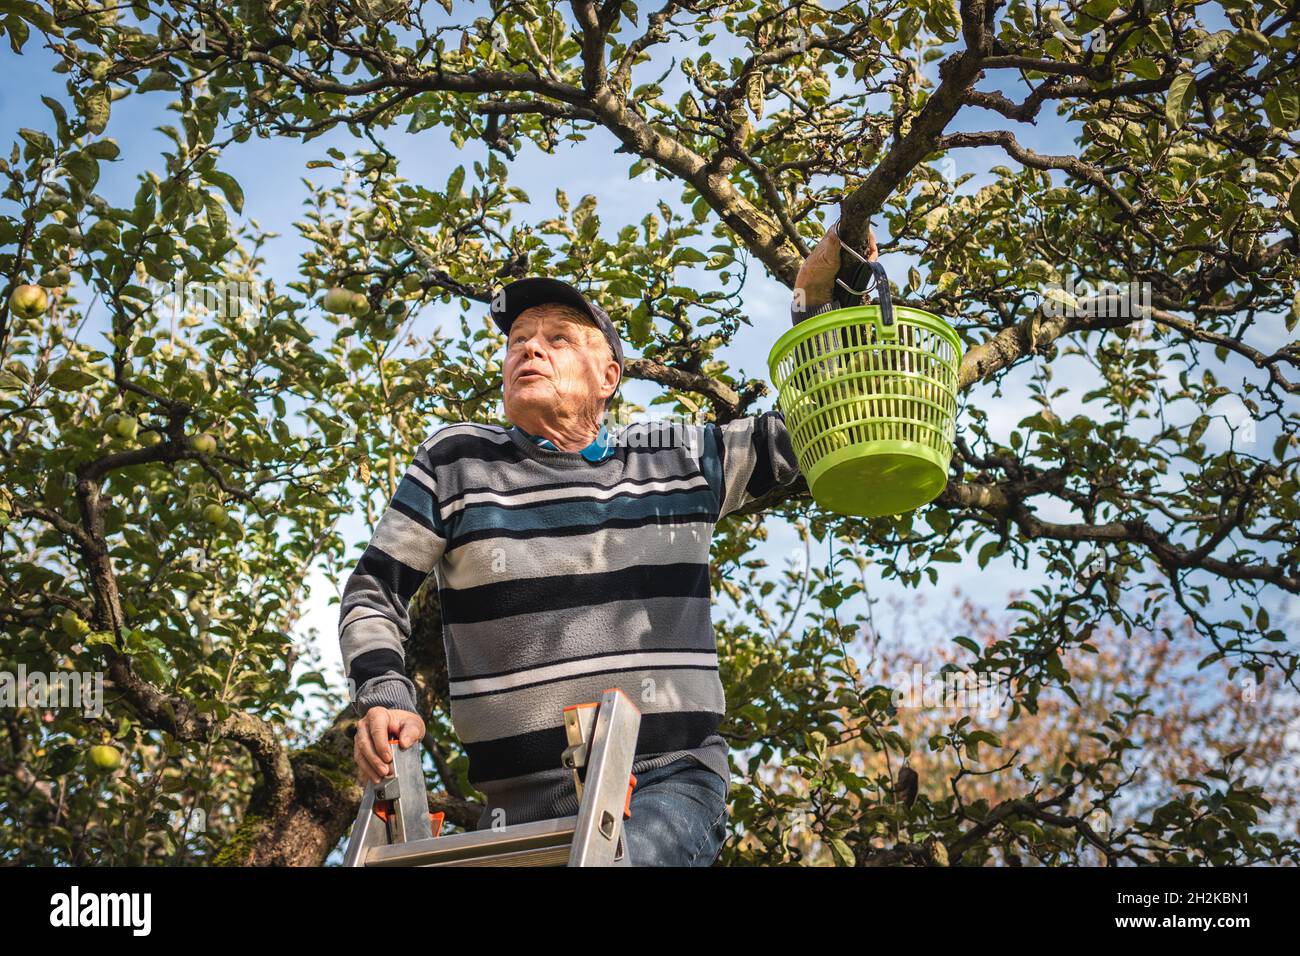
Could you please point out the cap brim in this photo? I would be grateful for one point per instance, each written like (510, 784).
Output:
(537, 290)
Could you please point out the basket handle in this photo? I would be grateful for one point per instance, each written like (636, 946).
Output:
(882, 294)
(851, 284)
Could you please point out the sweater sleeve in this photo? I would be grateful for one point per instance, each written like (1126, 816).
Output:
(747, 458)
(798, 314)
(407, 544)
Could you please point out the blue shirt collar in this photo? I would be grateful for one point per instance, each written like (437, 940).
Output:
(599, 449)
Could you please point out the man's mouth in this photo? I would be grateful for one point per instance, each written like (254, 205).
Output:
(527, 374)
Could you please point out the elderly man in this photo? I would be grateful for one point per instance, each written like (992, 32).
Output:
(567, 563)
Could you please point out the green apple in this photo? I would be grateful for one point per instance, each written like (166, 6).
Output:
(360, 305)
(338, 300)
(204, 444)
(73, 625)
(126, 426)
(105, 757)
(836, 440)
(216, 515)
(412, 282)
(150, 438)
(1040, 271)
(55, 278)
(791, 398)
(29, 301)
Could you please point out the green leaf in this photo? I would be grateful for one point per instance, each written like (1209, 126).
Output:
(1282, 105)
(229, 186)
(157, 80)
(103, 149)
(69, 379)
(37, 139)
(216, 215)
(55, 107)
(97, 108)
(843, 855)
(639, 325)
(1254, 40)
(1179, 99)
(84, 169)
(1144, 68)
(455, 181)
(940, 519)
(150, 668)
(18, 33)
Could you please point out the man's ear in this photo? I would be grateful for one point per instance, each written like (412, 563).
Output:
(612, 369)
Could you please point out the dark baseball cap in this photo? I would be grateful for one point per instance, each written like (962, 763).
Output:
(539, 290)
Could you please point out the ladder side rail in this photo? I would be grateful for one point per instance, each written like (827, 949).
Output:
(605, 789)
(368, 831)
(410, 796)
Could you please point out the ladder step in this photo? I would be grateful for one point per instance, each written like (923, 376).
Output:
(556, 834)
(394, 828)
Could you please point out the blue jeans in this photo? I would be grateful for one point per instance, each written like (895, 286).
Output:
(679, 816)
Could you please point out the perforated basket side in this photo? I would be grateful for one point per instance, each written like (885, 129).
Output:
(850, 382)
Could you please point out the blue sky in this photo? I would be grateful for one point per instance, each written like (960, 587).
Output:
(271, 173)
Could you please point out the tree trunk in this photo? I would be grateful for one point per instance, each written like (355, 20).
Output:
(326, 792)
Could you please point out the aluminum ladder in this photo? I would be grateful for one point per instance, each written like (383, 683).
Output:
(394, 828)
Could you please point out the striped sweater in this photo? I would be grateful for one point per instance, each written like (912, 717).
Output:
(559, 574)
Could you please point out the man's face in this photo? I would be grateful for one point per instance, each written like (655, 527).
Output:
(557, 367)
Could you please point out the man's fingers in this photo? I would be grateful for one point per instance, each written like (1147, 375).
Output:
(372, 744)
(830, 245)
(818, 270)
(411, 730)
(368, 763)
(817, 273)
(378, 728)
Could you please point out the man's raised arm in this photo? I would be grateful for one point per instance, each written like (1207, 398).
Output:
(747, 458)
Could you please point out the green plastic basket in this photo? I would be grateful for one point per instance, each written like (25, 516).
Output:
(870, 405)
